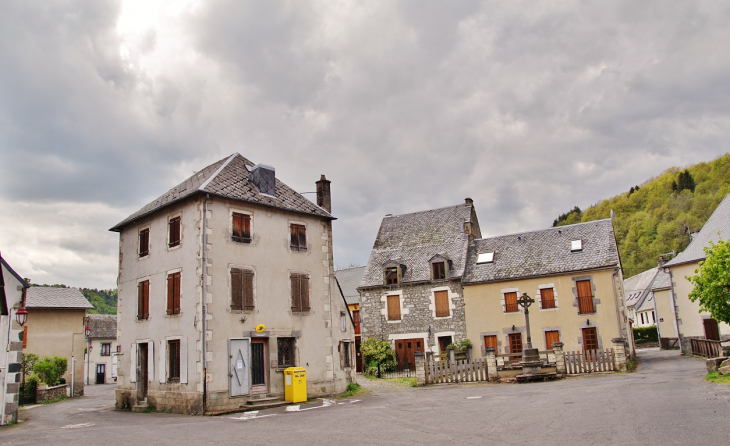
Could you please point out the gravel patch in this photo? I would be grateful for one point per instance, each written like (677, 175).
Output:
(380, 384)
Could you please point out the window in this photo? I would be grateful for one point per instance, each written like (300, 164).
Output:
(485, 257)
(510, 303)
(356, 319)
(241, 228)
(143, 300)
(576, 245)
(174, 232)
(441, 299)
(299, 292)
(590, 339)
(394, 308)
(515, 345)
(585, 298)
(343, 321)
(298, 237)
(642, 318)
(438, 270)
(106, 349)
(551, 337)
(491, 341)
(241, 289)
(391, 276)
(173, 360)
(345, 360)
(144, 242)
(653, 317)
(547, 298)
(285, 352)
(444, 342)
(173, 293)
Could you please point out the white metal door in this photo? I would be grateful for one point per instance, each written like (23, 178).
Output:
(239, 368)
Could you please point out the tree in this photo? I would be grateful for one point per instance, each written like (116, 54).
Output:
(377, 352)
(50, 369)
(28, 363)
(712, 281)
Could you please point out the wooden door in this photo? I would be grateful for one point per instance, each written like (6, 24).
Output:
(712, 332)
(358, 357)
(590, 339)
(515, 345)
(550, 338)
(240, 373)
(259, 375)
(101, 373)
(404, 352)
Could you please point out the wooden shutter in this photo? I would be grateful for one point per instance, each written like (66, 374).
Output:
(25, 336)
(184, 361)
(490, 341)
(237, 235)
(712, 332)
(247, 286)
(394, 308)
(510, 302)
(144, 242)
(236, 289)
(547, 298)
(177, 293)
(304, 291)
(585, 298)
(151, 361)
(146, 309)
(162, 362)
(550, 338)
(133, 363)
(302, 238)
(296, 302)
(174, 231)
(441, 299)
(294, 242)
(170, 291)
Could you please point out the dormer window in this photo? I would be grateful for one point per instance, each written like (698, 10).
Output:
(438, 270)
(576, 245)
(391, 276)
(485, 257)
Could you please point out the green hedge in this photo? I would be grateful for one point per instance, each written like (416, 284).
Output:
(646, 334)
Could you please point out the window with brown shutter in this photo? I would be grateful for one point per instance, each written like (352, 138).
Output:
(241, 228)
(144, 242)
(585, 297)
(299, 292)
(173, 360)
(491, 341)
(298, 237)
(241, 289)
(550, 338)
(173, 293)
(394, 308)
(174, 232)
(143, 300)
(438, 270)
(547, 298)
(510, 303)
(441, 299)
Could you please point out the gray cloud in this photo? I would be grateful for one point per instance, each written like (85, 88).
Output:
(528, 108)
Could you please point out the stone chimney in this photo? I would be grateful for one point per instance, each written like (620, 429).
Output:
(468, 202)
(264, 178)
(661, 261)
(324, 198)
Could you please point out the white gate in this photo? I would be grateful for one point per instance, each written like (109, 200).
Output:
(239, 366)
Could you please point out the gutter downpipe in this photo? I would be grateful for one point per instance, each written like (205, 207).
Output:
(5, 374)
(203, 307)
(615, 300)
(674, 307)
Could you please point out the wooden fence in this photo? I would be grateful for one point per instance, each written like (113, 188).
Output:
(706, 348)
(511, 359)
(459, 371)
(590, 361)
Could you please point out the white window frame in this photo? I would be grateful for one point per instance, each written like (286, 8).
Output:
(503, 301)
(384, 310)
(538, 297)
(167, 229)
(148, 226)
(432, 304)
(231, 210)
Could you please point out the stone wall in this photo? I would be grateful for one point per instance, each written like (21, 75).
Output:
(417, 314)
(46, 394)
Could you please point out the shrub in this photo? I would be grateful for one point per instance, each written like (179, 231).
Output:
(646, 334)
(31, 385)
(50, 369)
(460, 345)
(378, 355)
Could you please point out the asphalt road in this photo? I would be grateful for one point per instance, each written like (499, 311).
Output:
(665, 402)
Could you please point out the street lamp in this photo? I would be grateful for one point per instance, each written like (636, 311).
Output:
(87, 331)
(21, 316)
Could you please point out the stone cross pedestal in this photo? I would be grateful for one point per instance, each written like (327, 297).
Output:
(531, 363)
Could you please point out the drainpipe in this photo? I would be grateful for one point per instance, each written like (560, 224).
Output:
(615, 299)
(5, 375)
(674, 307)
(205, 324)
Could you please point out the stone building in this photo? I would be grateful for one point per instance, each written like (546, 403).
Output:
(349, 279)
(12, 294)
(101, 359)
(411, 291)
(225, 281)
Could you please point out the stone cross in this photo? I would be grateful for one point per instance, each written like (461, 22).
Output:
(525, 301)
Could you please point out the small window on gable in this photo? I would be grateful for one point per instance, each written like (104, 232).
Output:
(174, 232)
(298, 237)
(144, 242)
(576, 245)
(485, 257)
(391, 276)
(438, 270)
(241, 231)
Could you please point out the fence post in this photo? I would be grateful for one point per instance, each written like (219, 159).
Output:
(619, 348)
(420, 368)
(559, 358)
(492, 364)
(451, 355)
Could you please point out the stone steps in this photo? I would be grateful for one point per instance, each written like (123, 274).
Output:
(140, 407)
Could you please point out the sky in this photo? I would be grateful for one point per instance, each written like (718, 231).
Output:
(527, 107)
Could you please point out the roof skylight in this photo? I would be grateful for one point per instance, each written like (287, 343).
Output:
(576, 245)
(485, 257)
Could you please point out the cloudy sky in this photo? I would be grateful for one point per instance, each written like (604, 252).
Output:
(528, 107)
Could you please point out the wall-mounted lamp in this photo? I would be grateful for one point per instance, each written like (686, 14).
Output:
(513, 328)
(588, 322)
(21, 316)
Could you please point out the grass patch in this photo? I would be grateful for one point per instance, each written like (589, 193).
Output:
(715, 377)
(410, 381)
(54, 400)
(352, 390)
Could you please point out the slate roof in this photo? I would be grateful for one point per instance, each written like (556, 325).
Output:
(59, 298)
(103, 326)
(637, 287)
(413, 239)
(661, 281)
(544, 252)
(719, 221)
(3, 298)
(349, 279)
(229, 178)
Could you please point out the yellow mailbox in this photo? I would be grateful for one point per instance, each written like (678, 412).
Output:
(295, 384)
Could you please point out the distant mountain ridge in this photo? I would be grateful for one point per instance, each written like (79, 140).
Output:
(658, 216)
(104, 301)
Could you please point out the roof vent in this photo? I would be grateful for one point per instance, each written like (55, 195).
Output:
(264, 178)
(485, 257)
(576, 245)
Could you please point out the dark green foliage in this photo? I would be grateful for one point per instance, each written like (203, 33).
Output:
(31, 384)
(379, 355)
(646, 334)
(712, 281)
(28, 363)
(572, 216)
(50, 369)
(653, 220)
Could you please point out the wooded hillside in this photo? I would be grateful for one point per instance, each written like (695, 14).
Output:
(658, 216)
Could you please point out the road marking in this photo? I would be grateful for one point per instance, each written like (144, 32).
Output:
(474, 397)
(77, 426)
(292, 408)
